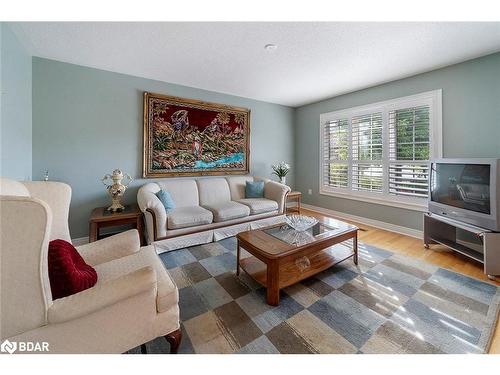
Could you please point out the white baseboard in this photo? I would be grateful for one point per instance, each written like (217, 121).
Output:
(363, 220)
(341, 215)
(80, 241)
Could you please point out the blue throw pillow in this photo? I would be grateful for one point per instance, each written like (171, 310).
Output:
(254, 189)
(165, 198)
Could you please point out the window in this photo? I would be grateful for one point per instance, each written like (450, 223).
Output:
(380, 152)
(409, 141)
(366, 133)
(336, 151)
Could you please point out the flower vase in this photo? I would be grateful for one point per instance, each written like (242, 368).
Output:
(283, 180)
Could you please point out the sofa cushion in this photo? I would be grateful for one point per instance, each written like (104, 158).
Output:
(167, 296)
(228, 210)
(183, 192)
(213, 191)
(166, 199)
(259, 205)
(237, 186)
(68, 272)
(184, 217)
(254, 189)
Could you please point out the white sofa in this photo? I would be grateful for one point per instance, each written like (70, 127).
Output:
(133, 301)
(207, 209)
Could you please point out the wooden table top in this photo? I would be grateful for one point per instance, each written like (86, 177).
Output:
(100, 214)
(294, 193)
(269, 246)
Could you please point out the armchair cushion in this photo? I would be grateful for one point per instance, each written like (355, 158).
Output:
(68, 272)
(167, 295)
(102, 295)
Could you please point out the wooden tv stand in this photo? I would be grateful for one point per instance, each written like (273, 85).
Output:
(443, 230)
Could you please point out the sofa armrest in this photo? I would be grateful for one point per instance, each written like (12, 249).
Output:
(277, 192)
(155, 214)
(102, 295)
(110, 248)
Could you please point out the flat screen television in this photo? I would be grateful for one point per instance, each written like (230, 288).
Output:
(466, 190)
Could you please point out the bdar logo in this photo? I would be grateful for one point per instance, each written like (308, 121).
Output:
(8, 347)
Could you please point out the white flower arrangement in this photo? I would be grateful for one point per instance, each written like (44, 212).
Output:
(281, 169)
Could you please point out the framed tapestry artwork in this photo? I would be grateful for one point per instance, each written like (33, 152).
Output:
(186, 137)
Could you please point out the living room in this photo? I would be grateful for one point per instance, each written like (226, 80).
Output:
(259, 188)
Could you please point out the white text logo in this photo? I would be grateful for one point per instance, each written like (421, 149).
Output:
(24, 346)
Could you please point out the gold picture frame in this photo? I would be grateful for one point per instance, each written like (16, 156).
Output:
(188, 137)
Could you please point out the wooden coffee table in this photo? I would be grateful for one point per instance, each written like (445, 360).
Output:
(280, 256)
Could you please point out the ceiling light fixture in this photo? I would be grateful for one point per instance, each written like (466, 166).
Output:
(270, 47)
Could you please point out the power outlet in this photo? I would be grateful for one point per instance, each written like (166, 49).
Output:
(310, 191)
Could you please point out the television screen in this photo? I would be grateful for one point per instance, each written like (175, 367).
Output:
(464, 186)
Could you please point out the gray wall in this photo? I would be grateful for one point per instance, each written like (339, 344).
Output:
(15, 130)
(471, 128)
(86, 122)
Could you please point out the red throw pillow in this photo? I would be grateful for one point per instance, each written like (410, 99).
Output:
(68, 272)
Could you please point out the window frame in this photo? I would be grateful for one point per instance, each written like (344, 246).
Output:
(431, 98)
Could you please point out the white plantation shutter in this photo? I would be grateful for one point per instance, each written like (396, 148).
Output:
(380, 152)
(409, 149)
(367, 153)
(335, 153)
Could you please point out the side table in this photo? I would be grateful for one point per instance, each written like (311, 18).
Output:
(294, 196)
(101, 218)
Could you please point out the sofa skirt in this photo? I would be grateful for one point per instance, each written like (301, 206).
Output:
(212, 235)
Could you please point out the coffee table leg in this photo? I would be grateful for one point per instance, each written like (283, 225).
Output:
(238, 258)
(355, 248)
(273, 289)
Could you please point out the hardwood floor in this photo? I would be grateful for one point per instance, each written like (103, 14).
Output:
(414, 247)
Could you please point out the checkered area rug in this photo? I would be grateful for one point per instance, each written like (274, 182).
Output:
(389, 303)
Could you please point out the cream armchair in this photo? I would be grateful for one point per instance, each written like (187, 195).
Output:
(133, 302)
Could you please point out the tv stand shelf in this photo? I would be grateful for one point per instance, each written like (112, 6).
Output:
(443, 230)
(462, 249)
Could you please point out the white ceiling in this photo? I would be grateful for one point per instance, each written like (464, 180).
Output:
(313, 61)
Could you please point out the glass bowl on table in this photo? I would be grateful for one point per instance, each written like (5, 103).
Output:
(301, 223)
